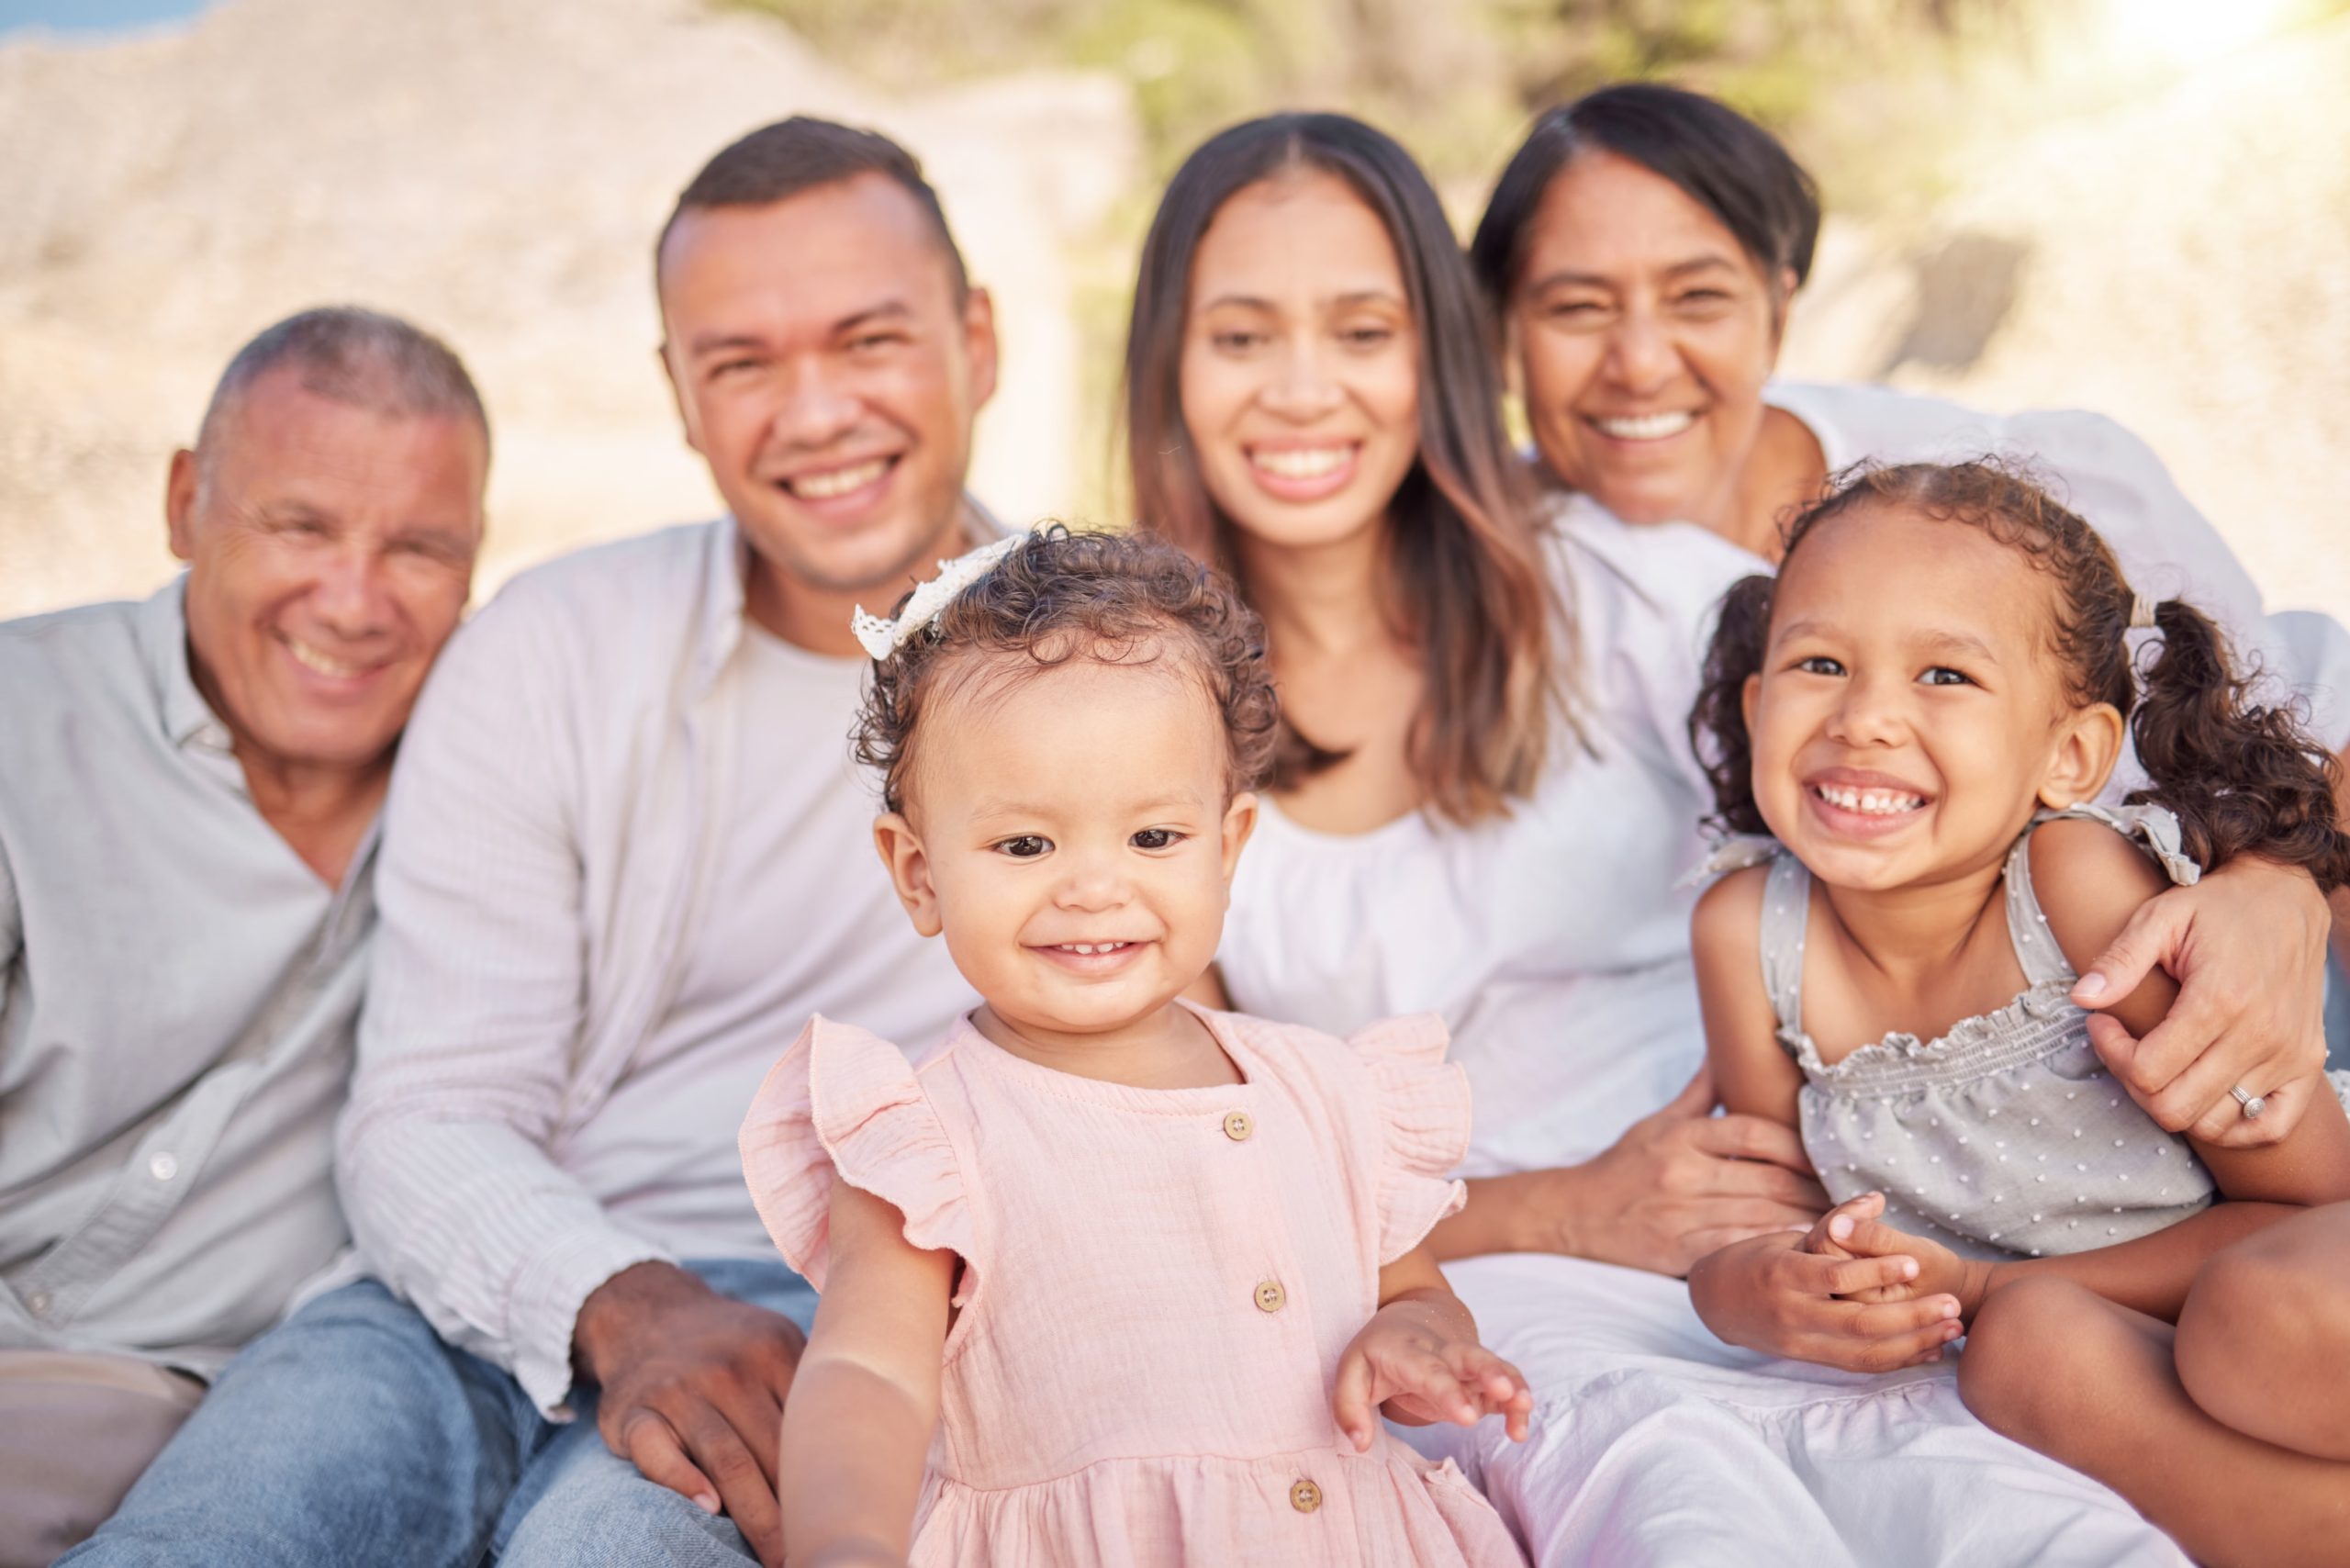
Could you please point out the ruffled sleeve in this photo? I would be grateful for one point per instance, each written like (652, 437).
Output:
(2156, 827)
(1734, 853)
(1422, 1102)
(842, 1104)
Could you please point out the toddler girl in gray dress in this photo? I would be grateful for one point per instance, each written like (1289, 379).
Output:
(1913, 711)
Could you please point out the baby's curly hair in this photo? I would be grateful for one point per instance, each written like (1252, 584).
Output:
(1060, 595)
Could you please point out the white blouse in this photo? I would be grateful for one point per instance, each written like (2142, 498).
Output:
(1555, 943)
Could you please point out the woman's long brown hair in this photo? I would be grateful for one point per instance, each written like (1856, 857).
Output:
(1470, 591)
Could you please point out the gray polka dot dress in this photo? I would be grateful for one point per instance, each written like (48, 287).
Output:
(2006, 1136)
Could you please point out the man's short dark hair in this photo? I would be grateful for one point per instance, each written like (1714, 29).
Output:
(353, 355)
(782, 159)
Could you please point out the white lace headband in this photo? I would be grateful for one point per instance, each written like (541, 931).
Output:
(883, 637)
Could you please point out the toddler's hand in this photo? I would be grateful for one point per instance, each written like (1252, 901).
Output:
(1405, 1360)
(1855, 1228)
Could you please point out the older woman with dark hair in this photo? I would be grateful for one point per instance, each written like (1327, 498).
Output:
(1484, 801)
(1643, 249)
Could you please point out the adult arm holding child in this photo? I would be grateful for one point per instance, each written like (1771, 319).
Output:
(1680, 1184)
(2247, 946)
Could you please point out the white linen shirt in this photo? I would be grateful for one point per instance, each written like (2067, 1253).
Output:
(1554, 942)
(177, 996)
(541, 1082)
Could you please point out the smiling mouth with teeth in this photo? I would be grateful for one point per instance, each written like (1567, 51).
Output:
(1647, 427)
(836, 482)
(1869, 802)
(311, 660)
(1090, 949)
(1301, 462)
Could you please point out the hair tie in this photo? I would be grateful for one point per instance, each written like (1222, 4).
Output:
(883, 637)
(2141, 613)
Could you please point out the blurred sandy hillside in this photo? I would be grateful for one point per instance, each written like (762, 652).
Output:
(495, 169)
(2132, 205)
(2175, 260)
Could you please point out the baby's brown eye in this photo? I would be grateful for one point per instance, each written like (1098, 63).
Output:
(1155, 838)
(1027, 847)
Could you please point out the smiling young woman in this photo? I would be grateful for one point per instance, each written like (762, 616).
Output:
(1310, 403)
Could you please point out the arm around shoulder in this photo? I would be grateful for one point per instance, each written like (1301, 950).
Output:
(2090, 881)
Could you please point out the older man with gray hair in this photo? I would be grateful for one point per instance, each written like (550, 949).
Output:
(188, 796)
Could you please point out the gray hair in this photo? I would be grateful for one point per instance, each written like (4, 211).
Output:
(361, 357)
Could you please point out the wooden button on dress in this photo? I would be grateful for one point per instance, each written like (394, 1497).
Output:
(1238, 1126)
(1270, 1297)
(1306, 1496)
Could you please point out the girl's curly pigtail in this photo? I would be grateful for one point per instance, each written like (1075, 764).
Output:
(2243, 780)
(1717, 723)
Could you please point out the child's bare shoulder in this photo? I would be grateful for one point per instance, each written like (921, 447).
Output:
(2089, 881)
(1729, 916)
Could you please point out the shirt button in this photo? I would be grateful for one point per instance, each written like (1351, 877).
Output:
(37, 1304)
(1238, 1126)
(1306, 1496)
(1270, 1297)
(163, 1167)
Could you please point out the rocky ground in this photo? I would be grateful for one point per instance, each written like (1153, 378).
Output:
(496, 168)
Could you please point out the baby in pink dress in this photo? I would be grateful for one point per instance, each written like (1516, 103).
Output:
(1135, 1278)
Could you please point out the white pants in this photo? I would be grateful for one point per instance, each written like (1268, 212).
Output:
(1654, 1443)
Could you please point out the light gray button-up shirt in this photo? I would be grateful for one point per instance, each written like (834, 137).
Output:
(177, 997)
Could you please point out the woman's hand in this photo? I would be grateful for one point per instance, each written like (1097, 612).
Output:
(1412, 1361)
(1677, 1185)
(1770, 1294)
(2247, 946)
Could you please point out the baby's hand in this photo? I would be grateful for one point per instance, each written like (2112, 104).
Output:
(1405, 1361)
(1855, 1228)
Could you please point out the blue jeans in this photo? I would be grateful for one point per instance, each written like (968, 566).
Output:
(350, 1434)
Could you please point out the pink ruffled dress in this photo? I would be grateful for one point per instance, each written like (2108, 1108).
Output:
(1157, 1287)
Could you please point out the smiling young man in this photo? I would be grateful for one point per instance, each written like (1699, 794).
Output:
(627, 856)
(188, 795)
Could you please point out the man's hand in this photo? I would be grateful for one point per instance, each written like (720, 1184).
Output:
(1769, 1295)
(1677, 1185)
(2247, 948)
(693, 1388)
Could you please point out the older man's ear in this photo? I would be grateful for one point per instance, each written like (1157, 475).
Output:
(181, 486)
